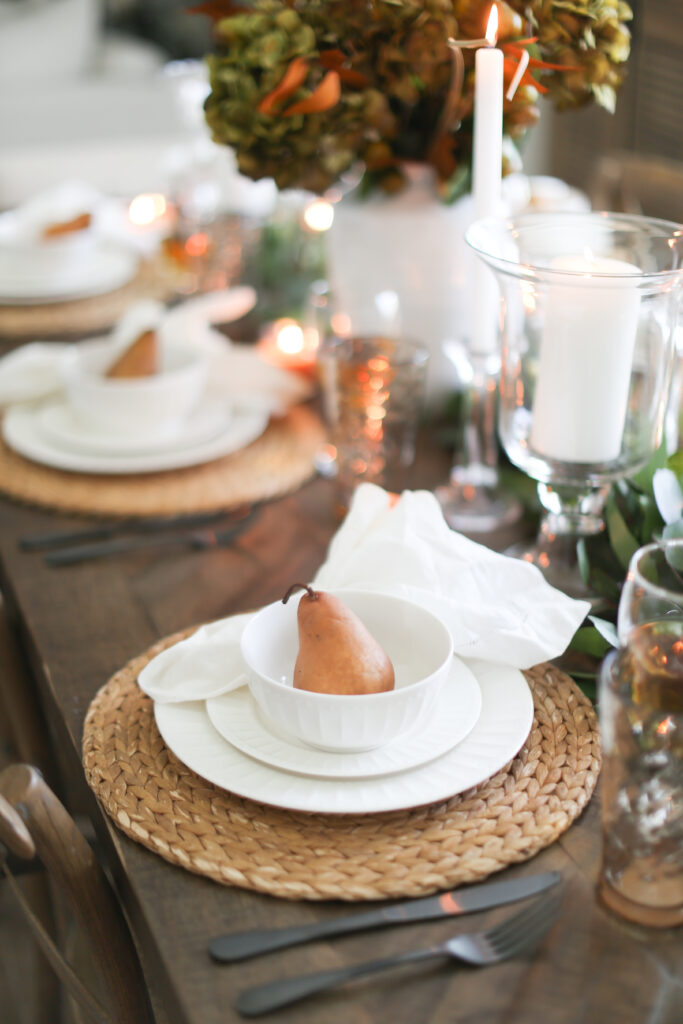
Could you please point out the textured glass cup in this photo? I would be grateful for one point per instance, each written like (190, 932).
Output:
(641, 715)
(372, 392)
(589, 310)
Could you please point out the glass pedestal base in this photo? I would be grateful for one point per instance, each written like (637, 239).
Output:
(479, 507)
(649, 916)
(569, 517)
(474, 501)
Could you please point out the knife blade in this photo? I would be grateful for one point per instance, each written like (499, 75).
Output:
(236, 946)
(198, 539)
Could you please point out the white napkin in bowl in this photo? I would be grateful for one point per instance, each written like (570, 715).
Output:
(31, 372)
(498, 609)
(205, 665)
(236, 373)
(25, 223)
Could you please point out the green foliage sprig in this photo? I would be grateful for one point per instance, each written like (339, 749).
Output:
(647, 507)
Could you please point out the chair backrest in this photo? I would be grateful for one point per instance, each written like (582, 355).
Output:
(635, 183)
(32, 820)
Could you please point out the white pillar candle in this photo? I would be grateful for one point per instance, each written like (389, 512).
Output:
(487, 160)
(584, 369)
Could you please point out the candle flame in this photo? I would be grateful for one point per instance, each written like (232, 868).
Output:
(665, 726)
(318, 216)
(145, 208)
(492, 27)
(290, 337)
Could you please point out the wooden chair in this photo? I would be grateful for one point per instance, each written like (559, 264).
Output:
(34, 822)
(627, 182)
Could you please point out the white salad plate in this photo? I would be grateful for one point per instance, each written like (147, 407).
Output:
(61, 426)
(107, 268)
(22, 432)
(503, 725)
(238, 718)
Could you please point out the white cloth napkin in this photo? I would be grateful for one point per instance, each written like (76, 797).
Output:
(31, 372)
(205, 665)
(498, 609)
(236, 373)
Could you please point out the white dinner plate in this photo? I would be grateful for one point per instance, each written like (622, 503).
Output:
(22, 432)
(238, 718)
(106, 269)
(506, 717)
(61, 426)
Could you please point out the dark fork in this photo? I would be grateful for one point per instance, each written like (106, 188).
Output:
(197, 539)
(480, 949)
(134, 524)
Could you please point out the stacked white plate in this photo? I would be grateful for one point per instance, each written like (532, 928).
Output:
(480, 723)
(51, 434)
(107, 268)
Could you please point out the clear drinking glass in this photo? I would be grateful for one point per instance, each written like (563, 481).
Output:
(372, 391)
(590, 304)
(641, 715)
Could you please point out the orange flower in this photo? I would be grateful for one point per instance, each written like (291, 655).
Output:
(294, 76)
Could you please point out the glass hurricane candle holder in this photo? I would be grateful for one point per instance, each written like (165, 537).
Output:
(589, 309)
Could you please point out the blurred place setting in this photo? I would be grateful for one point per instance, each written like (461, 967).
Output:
(341, 511)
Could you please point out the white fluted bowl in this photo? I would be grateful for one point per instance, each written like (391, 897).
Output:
(150, 406)
(417, 642)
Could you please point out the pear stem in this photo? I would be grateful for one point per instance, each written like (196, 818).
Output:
(313, 594)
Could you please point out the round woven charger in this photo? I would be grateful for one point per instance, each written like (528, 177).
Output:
(159, 802)
(275, 463)
(154, 280)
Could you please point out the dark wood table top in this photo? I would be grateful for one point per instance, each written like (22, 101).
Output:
(80, 624)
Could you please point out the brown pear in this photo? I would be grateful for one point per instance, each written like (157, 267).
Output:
(140, 359)
(337, 653)
(67, 227)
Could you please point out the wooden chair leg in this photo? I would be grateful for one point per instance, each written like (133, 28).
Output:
(73, 867)
(27, 730)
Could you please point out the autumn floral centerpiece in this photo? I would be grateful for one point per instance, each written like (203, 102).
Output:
(304, 89)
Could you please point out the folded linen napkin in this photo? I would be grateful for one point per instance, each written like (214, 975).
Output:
(236, 373)
(497, 608)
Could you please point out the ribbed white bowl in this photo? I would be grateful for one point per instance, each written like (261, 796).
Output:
(149, 405)
(417, 642)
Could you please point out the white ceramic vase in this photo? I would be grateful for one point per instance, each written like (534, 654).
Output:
(412, 244)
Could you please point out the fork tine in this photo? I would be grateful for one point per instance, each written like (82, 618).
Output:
(524, 928)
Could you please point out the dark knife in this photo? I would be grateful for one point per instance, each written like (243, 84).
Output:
(243, 945)
(103, 531)
(198, 539)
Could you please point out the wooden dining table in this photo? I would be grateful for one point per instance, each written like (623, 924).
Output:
(77, 625)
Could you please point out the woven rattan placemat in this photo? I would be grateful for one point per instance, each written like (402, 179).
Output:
(154, 280)
(159, 802)
(277, 462)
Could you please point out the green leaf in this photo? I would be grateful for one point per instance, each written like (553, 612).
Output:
(675, 464)
(589, 641)
(643, 478)
(583, 561)
(586, 683)
(668, 494)
(673, 531)
(606, 629)
(622, 540)
(604, 584)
